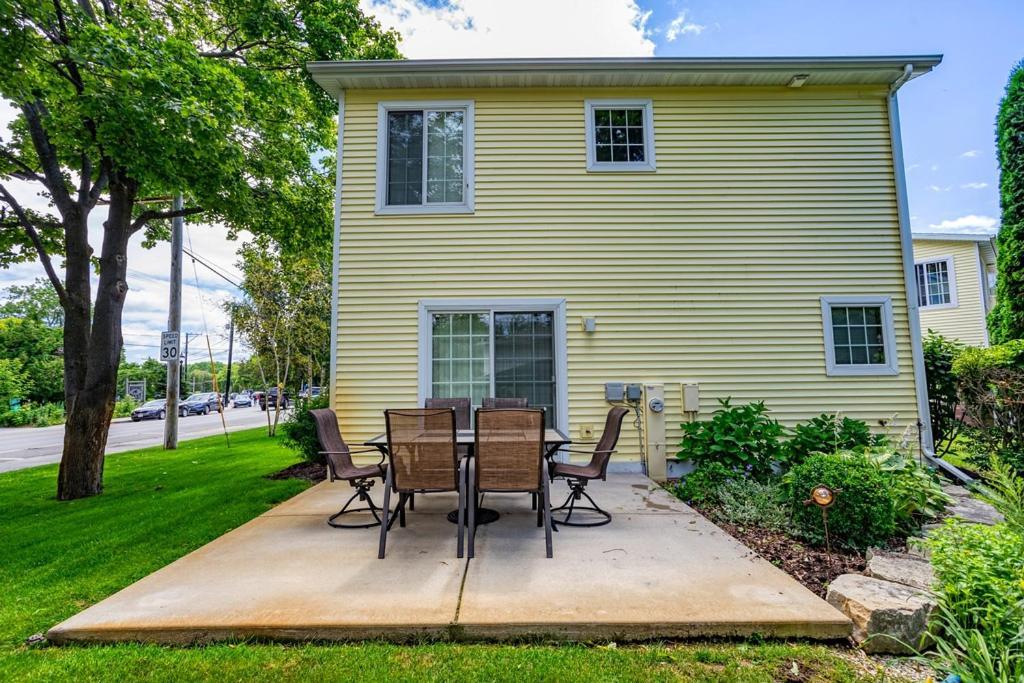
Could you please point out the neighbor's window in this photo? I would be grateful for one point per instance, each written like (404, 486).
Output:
(426, 164)
(935, 282)
(859, 336)
(620, 135)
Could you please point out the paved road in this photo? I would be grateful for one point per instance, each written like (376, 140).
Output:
(23, 447)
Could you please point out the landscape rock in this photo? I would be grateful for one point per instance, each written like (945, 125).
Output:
(909, 570)
(974, 510)
(918, 547)
(888, 618)
(956, 491)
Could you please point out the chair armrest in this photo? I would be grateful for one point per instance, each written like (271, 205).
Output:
(576, 450)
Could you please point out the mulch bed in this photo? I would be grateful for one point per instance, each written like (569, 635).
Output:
(813, 567)
(310, 471)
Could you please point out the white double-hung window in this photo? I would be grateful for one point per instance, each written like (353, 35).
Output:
(860, 337)
(936, 285)
(425, 157)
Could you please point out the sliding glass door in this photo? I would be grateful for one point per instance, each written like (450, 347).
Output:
(499, 353)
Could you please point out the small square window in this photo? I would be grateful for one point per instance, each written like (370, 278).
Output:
(859, 335)
(619, 135)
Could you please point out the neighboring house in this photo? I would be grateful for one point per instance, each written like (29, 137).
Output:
(955, 284)
(541, 227)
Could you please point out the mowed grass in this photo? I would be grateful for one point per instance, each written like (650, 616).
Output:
(57, 558)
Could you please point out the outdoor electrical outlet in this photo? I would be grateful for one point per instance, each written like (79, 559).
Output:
(586, 431)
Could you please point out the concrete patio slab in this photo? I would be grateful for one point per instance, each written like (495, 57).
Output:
(659, 570)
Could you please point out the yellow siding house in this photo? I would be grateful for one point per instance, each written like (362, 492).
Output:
(694, 228)
(955, 284)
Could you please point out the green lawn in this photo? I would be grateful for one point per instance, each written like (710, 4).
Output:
(57, 558)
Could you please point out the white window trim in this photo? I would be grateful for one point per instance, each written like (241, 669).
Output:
(620, 166)
(891, 367)
(950, 272)
(556, 306)
(468, 131)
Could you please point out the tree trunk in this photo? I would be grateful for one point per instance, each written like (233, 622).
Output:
(91, 391)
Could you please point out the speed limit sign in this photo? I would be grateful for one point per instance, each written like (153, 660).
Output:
(169, 347)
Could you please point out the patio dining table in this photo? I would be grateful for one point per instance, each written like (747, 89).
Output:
(554, 439)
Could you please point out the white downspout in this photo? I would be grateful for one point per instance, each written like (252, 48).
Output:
(907, 247)
(336, 257)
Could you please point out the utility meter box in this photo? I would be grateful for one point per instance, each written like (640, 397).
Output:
(634, 392)
(690, 399)
(614, 392)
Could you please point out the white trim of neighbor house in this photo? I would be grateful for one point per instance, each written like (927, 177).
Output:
(891, 365)
(336, 256)
(909, 276)
(593, 164)
(557, 306)
(983, 285)
(950, 273)
(468, 155)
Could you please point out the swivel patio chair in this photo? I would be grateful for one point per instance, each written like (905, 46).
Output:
(577, 476)
(509, 448)
(341, 468)
(491, 402)
(424, 458)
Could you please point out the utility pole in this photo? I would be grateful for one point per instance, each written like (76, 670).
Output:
(174, 325)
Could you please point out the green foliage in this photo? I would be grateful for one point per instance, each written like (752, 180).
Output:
(828, 434)
(916, 489)
(700, 486)
(36, 301)
(744, 501)
(298, 431)
(991, 390)
(939, 354)
(864, 513)
(742, 438)
(41, 415)
(1006, 321)
(38, 349)
(972, 653)
(12, 380)
(124, 407)
(1003, 489)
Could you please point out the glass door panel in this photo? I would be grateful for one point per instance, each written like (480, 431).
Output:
(524, 364)
(461, 356)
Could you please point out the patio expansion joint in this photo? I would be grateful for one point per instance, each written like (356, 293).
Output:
(462, 588)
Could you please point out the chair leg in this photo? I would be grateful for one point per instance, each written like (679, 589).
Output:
(462, 507)
(578, 491)
(533, 503)
(363, 494)
(412, 502)
(539, 509)
(403, 498)
(386, 511)
(471, 491)
(545, 502)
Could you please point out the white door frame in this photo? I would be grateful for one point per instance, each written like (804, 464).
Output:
(555, 306)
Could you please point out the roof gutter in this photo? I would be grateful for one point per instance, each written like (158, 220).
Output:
(908, 73)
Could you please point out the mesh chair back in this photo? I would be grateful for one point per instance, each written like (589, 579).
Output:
(422, 447)
(609, 437)
(509, 449)
(491, 403)
(460, 405)
(329, 435)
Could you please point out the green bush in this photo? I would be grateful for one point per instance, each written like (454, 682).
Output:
(943, 399)
(700, 486)
(746, 502)
(742, 438)
(916, 489)
(298, 431)
(864, 513)
(828, 434)
(41, 415)
(990, 383)
(124, 407)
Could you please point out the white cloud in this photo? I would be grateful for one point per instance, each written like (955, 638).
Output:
(934, 167)
(970, 154)
(525, 28)
(681, 27)
(974, 186)
(968, 224)
(936, 188)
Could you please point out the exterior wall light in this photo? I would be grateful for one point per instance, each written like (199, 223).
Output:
(590, 325)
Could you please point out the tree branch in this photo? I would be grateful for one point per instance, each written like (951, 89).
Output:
(27, 172)
(37, 242)
(53, 178)
(147, 216)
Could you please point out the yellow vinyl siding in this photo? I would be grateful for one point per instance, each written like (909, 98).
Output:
(966, 320)
(708, 270)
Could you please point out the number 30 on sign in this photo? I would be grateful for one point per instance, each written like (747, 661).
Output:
(169, 346)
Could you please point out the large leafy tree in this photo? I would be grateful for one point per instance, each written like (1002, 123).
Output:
(121, 104)
(1006, 321)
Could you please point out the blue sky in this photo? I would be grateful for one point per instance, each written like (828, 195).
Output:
(948, 116)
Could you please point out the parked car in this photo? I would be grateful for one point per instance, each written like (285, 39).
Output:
(241, 401)
(270, 399)
(152, 410)
(306, 393)
(200, 404)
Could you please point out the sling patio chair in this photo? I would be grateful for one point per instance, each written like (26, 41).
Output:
(577, 476)
(341, 468)
(424, 458)
(505, 402)
(509, 454)
(460, 405)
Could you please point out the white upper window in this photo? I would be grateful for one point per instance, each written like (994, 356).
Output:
(860, 337)
(936, 285)
(425, 157)
(620, 135)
